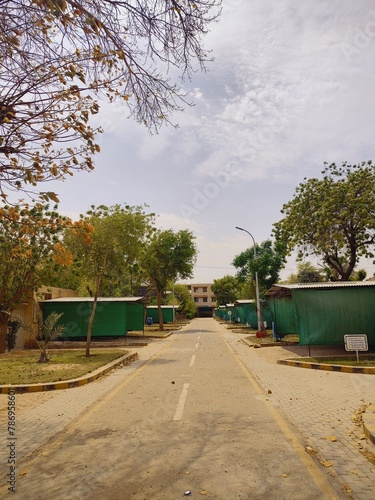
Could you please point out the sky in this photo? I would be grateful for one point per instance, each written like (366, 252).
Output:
(291, 87)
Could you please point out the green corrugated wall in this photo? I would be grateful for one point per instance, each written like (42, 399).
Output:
(112, 319)
(327, 315)
(284, 315)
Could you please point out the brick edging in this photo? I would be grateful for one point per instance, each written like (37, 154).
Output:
(68, 384)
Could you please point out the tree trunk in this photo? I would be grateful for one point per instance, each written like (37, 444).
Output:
(161, 322)
(4, 320)
(89, 327)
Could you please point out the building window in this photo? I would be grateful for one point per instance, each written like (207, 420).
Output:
(213, 299)
(196, 289)
(196, 299)
(204, 289)
(205, 299)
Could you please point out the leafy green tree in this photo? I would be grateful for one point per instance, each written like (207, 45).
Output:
(270, 259)
(226, 290)
(306, 273)
(115, 244)
(169, 256)
(181, 297)
(29, 236)
(59, 57)
(332, 218)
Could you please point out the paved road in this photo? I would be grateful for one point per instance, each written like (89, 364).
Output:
(199, 411)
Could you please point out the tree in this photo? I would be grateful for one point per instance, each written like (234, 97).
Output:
(332, 218)
(114, 245)
(306, 273)
(59, 57)
(169, 256)
(181, 297)
(270, 260)
(29, 235)
(226, 290)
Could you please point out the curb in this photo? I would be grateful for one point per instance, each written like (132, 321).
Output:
(368, 370)
(369, 423)
(68, 384)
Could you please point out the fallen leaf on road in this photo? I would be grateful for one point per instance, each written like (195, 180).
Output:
(333, 439)
(354, 472)
(203, 492)
(327, 463)
(347, 488)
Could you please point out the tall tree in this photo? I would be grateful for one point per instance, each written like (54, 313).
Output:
(226, 290)
(115, 244)
(270, 259)
(58, 57)
(29, 236)
(332, 218)
(169, 256)
(182, 298)
(306, 273)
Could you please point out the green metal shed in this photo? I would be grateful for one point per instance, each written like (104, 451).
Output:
(328, 311)
(283, 310)
(168, 312)
(114, 316)
(247, 313)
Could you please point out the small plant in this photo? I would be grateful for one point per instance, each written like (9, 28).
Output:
(48, 329)
(13, 327)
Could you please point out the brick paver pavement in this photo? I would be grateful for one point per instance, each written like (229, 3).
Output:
(35, 426)
(320, 404)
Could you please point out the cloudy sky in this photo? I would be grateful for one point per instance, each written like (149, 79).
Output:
(292, 86)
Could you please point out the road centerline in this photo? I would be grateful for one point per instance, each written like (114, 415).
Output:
(181, 403)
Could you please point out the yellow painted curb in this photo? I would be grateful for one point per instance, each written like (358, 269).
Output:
(68, 384)
(368, 370)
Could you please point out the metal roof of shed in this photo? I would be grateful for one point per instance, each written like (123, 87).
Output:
(285, 288)
(100, 299)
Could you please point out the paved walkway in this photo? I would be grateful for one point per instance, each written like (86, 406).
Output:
(322, 405)
(35, 426)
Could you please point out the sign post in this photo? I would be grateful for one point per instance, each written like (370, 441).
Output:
(356, 342)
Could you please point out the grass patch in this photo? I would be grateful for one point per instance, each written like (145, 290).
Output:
(23, 367)
(347, 360)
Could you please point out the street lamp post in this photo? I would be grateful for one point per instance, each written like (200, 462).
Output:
(260, 323)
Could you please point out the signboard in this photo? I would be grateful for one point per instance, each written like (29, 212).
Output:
(357, 342)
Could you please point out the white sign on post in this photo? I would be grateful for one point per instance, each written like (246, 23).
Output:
(356, 342)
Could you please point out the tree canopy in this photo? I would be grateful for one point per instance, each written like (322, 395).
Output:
(226, 290)
(332, 218)
(270, 259)
(307, 273)
(113, 247)
(58, 57)
(29, 236)
(168, 257)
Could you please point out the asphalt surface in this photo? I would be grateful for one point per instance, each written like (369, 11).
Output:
(200, 412)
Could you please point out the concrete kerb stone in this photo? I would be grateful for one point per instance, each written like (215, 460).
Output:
(68, 384)
(369, 423)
